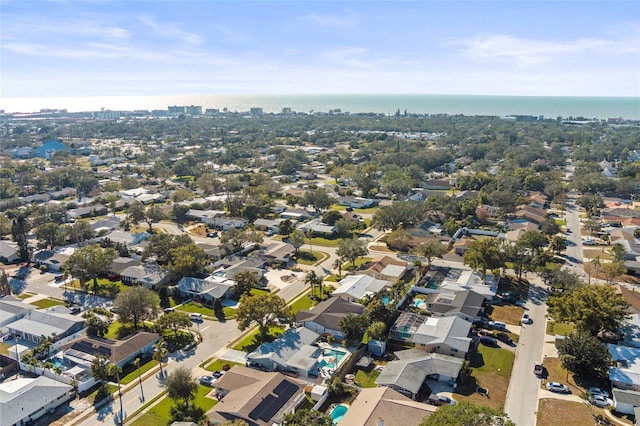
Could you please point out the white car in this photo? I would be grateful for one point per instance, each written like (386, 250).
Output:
(557, 387)
(600, 401)
(597, 391)
(526, 319)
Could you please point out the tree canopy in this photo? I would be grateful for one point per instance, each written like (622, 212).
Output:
(592, 308)
(137, 304)
(89, 261)
(467, 414)
(584, 354)
(264, 309)
(350, 249)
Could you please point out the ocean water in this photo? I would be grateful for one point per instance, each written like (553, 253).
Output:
(547, 106)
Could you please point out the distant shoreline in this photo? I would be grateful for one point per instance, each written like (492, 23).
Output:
(590, 107)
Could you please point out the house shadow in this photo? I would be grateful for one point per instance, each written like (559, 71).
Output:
(476, 360)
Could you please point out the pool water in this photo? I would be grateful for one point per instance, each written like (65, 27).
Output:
(418, 303)
(338, 413)
(337, 355)
(386, 300)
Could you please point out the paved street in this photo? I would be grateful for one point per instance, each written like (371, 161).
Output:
(522, 396)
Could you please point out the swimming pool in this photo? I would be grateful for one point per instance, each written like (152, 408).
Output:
(386, 300)
(419, 303)
(332, 358)
(338, 413)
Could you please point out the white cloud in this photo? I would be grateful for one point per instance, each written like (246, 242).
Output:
(171, 30)
(521, 52)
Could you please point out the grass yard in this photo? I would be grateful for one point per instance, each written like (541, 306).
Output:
(218, 364)
(133, 374)
(46, 303)
(252, 340)
(197, 308)
(380, 247)
(24, 295)
(562, 328)
(303, 303)
(507, 314)
(160, 414)
(552, 412)
(491, 369)
(367, 379)
(306, 257)
(577, 384)
(592, 253)
(320, 241)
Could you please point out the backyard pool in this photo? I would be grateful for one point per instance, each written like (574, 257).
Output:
(338, 413)
(386, 300)
(419, 303)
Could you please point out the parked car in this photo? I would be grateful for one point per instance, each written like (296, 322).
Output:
(538, 370)
(441, 400)
(212, 235)
(75, 309)
(526, 319)
(489, 341)
(600, 401)
(485, 332)
(597, 391)
(168, 310)
(504, 337)
(557, 387)
(194, 316)
(217, 374)
(206, 380)
(498, 325)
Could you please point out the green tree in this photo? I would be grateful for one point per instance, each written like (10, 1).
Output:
(561, 279)
(159, 352)
(318, 198)
(403, 214)
(396, 181)
(484, 254)
(264, 309)
(159, 246)
(534, 241)
(96, 326)
(245, 281)
(297, 239)
(181, 386)
(467, 414)
(430, 249)
(137, 304)
(399, 239)
(50, 234)
(592, 308)
(20, 234)
(79, 232)
(558, 244)
(175, 321)
(314, 281)
(618, 252)
(135, 212)
(89, 261)
(153, 214)
(549, 227)
(286, 227)
(584, 355)
(377, 330)
(612, 270)
(5, 288)
(353, 326)
(187, 260)
(306, 417)
(101, 368)
(350, 249)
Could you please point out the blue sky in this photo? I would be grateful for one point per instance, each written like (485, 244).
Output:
(109, 48)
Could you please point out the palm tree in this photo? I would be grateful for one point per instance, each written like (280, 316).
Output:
(159, 352)
(595, 262)
(338, 265)
(312, 280)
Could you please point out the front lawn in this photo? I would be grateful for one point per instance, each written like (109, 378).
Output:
(320, 241)
(305, 257)
(130, 371)
(196, 308)
(304, 303)
(552, 412)
(253, 340)
(46, 303)
(24, 295)
(491, 369)
(218, 365)
(561, 328)
(508, 314)
(160, 413)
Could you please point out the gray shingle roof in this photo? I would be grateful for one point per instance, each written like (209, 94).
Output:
(410, 374)
(24, 396)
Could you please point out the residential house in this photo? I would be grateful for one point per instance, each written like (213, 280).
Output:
(119, 264)
(83, 350)
(88, 211)
(54, 260)
(234, 265)
(443, 335)
(537, 199)
(465, 279)
(205, 290)
(530, 213)
(467, 305)
(437, 184)
(409, 374)
(278, 253)
(258, 398)
(36, 198)
(9, 252)
(279, 354)
(56, 320)
(267, 224)
(355, 287)
(11, 310)
(63, 193)
(21, 152)
(626, 374)
(625, 401)
(356, 202)
(109, 223)
(384, 406)
(207, 217)
(296, 214)
(325, 317)
(49, 149)
(130, 239)
(149, 275)
(316, 226)
(24, 400)
(387, 268)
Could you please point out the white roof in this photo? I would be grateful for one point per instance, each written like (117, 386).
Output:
(358, 286)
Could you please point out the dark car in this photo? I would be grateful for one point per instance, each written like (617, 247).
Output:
(75, 309)
(504, 337)
(489, 341)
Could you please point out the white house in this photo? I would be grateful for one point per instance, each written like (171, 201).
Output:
(355, 287)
